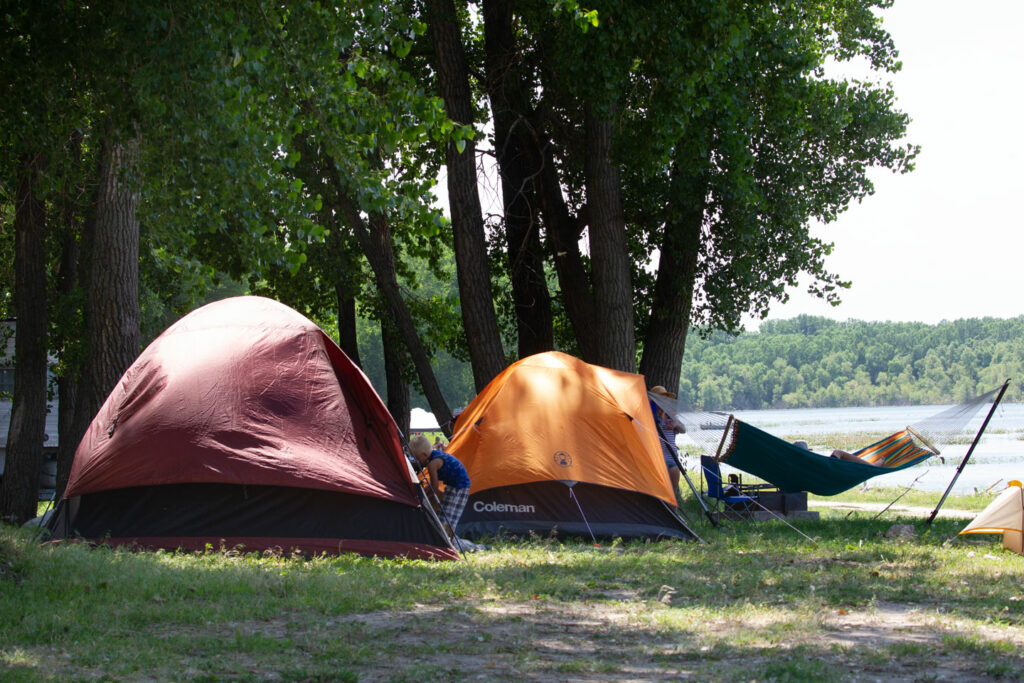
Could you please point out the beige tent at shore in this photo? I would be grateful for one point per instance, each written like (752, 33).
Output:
(1005, 515)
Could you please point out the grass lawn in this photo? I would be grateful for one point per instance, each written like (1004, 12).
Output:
(921, 499)
(755, 601)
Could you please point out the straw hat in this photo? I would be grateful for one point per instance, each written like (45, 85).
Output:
(662, 391)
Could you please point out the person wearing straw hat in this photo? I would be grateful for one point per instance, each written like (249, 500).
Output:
(667, 436)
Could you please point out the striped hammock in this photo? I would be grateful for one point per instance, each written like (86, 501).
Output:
(895, 452)
(794, 468)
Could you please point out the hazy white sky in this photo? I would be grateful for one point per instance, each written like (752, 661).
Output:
(945, 241)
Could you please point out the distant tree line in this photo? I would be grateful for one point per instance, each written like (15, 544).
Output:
(810, 362)
(814, 362)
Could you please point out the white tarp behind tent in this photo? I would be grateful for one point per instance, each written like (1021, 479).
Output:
(422, 421)
(1004, 515)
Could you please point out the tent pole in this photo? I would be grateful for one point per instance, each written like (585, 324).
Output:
(699, 498)
(963, 463)
(682, 470)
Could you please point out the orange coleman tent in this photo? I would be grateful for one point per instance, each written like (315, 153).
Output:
(554, 445)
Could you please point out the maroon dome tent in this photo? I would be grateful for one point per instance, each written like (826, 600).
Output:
(244, 424)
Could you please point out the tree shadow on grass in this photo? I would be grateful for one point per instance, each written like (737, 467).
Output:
(553, 608)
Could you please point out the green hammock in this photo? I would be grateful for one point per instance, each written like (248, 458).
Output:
(794, 468)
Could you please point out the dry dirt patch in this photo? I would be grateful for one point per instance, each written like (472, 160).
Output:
(542, 640)
(528, 640)
(885, 624)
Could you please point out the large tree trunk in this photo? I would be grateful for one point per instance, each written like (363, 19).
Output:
(347, 338)
(478, 317)
(564, 231)
(73, 422)
(611, 269)
(112, 312)
(19, 492)
(67, 395)
(68, 278)
(563, 237)
(76, 236)
(399, 400)
(669, 321)
(665, 341)
(534, 325)
(343, 290)
(375, 241)
(317, 171)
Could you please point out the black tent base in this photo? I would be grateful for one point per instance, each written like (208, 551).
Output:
(548, 509)
(192, 513)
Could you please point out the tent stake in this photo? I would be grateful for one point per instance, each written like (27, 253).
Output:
(572, 495)
(963, 463)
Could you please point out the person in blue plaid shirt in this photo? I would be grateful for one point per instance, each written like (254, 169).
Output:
(445, 468)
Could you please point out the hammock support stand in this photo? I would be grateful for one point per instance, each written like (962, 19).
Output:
(963, 463)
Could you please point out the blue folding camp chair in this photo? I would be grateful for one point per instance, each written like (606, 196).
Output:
(728, 501)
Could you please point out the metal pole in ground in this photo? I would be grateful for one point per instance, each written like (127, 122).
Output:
(963, 463)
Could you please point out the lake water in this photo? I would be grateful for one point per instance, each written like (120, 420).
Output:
(998, 457)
